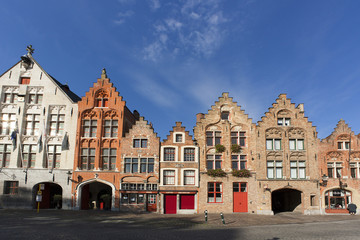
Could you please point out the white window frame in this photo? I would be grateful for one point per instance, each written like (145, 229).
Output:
(162, 176)
(182, 137)
(162, 152)
(356, 166)
(182, 183)
(285, 121)
(345, 145)
(196, 157)
(297, 166)
(296, 144)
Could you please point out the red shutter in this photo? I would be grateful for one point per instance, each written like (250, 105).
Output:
(187, 201)
(25, 80)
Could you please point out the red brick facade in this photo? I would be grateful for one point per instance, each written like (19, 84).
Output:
(103, 120)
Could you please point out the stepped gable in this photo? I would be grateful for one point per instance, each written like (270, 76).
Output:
(284, 107)
(144, 126)
(341, 128)
(225, 103)
(177, 128)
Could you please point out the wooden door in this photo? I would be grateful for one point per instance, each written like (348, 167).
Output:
(240, 197)
(151, 203)
(170, 203)
(85, 197)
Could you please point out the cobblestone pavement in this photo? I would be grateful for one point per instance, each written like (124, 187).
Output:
(155, 220)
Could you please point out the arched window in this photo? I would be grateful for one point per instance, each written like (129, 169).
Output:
(101, 99)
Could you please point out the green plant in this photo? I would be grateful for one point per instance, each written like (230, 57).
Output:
(216, 173)
(220, 148)
(241, 173)
(235, 148)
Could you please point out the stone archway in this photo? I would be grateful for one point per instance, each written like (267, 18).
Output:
(51, 195)
(96, 195)
(286, 200)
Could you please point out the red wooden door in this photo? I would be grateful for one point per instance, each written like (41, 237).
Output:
(151, 203)
(170, 204)
(187, 201)
(85, 197)
(240, 197)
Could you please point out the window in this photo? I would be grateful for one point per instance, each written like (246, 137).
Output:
(238, 138)
(25, 80)
(87, 158)
(108, 158)
(102, 102)
(169, 154)
(214, 192)
(5, 152)
(225, 115)
(10, 98)
(133, 198)
(334, 169)
(151, 198)
(169, 177)
(178, 138)
(89, 128)
(337, 199)
(273, 144)
(131, 165)
(213, 138)
(29, 155)
(32, 124)
(189, 177)
(296, 144)
(8, 122)
(213, 161)
(238, 162)
(35, 98)
(111, 128)
(283, 121)
(297, 169)
(239, 187)
(140, 143)
(146, 165)
(354, 169)
(274, 169)
(11, 187)
(57, 124)
(189, 154)
(54, 156)
(343, 145)
(138, 186)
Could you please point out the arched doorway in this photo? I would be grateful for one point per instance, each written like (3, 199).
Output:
(285, 200)
(96, 195)
(51, 195)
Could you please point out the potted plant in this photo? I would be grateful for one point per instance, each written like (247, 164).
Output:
(216, 173)
(219, 148)
(235, 148)
(241, 173)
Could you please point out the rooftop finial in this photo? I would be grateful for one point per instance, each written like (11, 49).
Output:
(30, 50)
(103, 73)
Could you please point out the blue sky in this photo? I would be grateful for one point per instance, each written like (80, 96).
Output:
(173, 59)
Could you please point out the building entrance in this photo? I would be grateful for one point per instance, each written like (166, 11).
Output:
(285, 200)
(96, 195)
(51, 195)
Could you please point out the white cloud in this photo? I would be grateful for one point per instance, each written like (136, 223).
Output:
(122, 16)
(154, 4)
(196, 28)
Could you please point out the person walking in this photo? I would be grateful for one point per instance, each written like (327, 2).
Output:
(352, 208)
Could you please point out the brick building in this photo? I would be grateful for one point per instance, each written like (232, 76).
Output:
(228, 127)
(286, 160)
(179, 164)
(103, 120)
(339, 157)
(139, 170)
(38, 118)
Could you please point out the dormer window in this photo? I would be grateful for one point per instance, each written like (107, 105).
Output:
(25, 80)
(178, 138)
(225, 115)
(283, 121)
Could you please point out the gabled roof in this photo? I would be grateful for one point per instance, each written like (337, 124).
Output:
(341, 128)
(63, 87)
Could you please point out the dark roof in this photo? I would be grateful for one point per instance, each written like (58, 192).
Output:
(67, 91)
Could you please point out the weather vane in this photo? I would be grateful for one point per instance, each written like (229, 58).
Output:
(30, 49)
